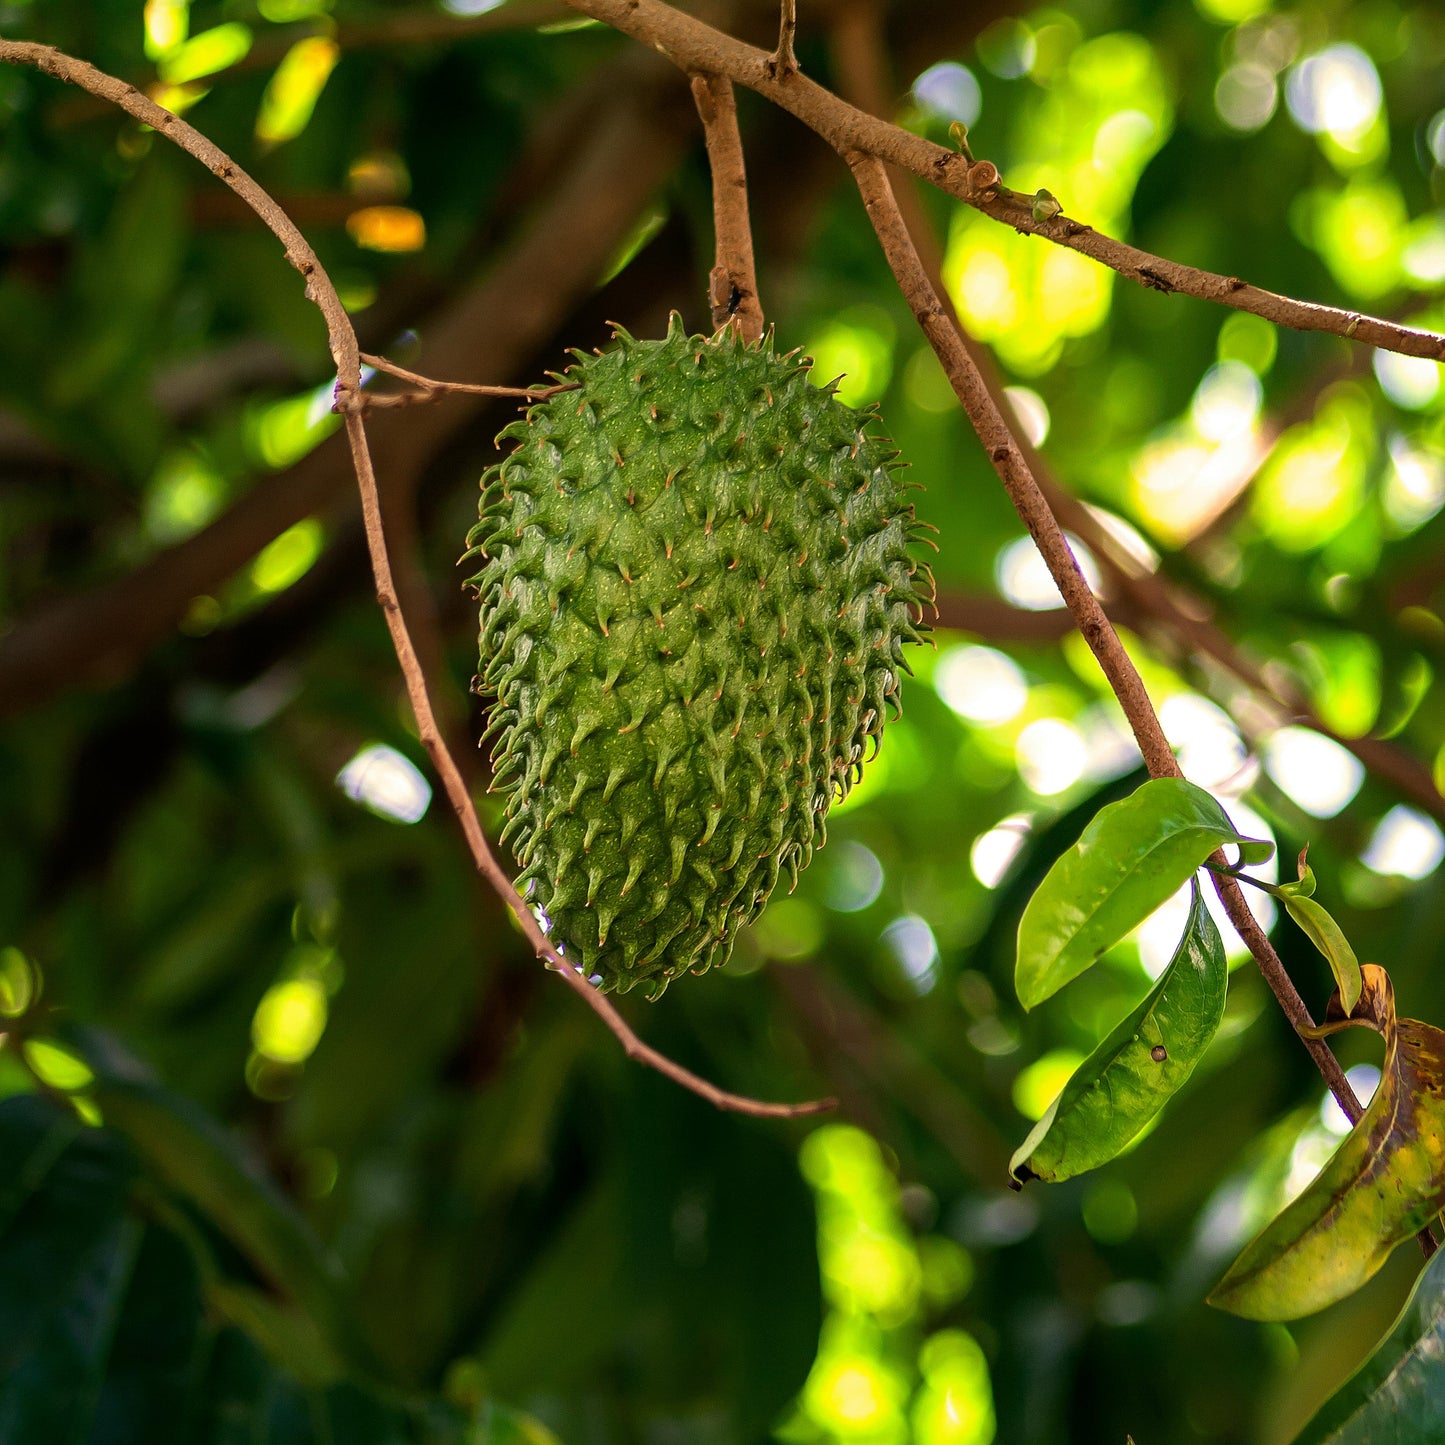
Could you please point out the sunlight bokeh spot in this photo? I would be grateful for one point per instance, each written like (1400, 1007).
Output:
(1248, 339)
(981, 684)
(993, 852)
(1210, 750)
(947, 1270)
(1086, 137)
(1230, 12)
(1423, 259)
(286, 560)
(855, 877)
(1359, 233)
(290, 97)
(1336, 91)
(1038, 1085)
(1411, 382)
(1314, 770)
(389, 784)
(1414, 484)
(857, 346)
(1007, 48)
(925, 384)
(955, 1407)
(205, 54)
(1314, 480)
(1030, 411)
(167, 23)
(949, 91)
(183, 495)
(1246, 97)
(290, 1020)
(1226, 402)
(911, 942)
(1023, 577)
(1051, 756)
(288, 12)
(393, 229)
(1405, 843)
(1364, 1079)
(282, 432)
(1179, 483)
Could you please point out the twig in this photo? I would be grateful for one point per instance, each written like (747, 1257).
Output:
(733, 283)
(351, 404)
(1033, 509)
(698, 48)
(783, 63)
(430, 389)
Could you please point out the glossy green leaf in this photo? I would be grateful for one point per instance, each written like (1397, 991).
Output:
(1396, 1395)
(1131, 857)
(1327, 936)
(1129, 1077)
(1382, 1185)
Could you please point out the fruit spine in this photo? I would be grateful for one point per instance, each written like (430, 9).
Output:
(695, 590)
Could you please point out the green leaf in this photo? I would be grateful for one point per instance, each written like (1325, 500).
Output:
(107, 1319)
(1131, 857)
(1395, 1395)
(1130, 1076)
(1327, 936)
(1384, 1183)
(197, 1159)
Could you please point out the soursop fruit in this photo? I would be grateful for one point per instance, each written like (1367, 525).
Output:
(695, 589)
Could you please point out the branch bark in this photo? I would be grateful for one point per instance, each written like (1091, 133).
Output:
(491, 329)
(696, 47)
(1023, 490)
(733, 284)
(352, 405)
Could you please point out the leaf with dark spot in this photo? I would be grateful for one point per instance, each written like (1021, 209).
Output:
(1383, 1184)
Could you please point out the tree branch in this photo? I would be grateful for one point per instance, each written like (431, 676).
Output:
(698, 48)
(733, 283)
(492, 327)
(1023, 490)
(783, 63)
(351, 403)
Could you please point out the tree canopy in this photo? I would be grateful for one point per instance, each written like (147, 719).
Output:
(299, 1139)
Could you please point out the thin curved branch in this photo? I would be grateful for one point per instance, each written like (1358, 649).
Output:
(733, 283)
(696, 47)
(351, 403)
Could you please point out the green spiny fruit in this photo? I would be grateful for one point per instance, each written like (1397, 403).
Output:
(695, 590)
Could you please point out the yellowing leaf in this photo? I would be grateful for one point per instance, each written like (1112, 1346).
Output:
(1383, 1184)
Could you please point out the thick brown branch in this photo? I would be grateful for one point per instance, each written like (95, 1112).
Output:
(698, 48)
(733, 283)
(352, 405)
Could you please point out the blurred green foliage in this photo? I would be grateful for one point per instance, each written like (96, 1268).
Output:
(210, 897)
